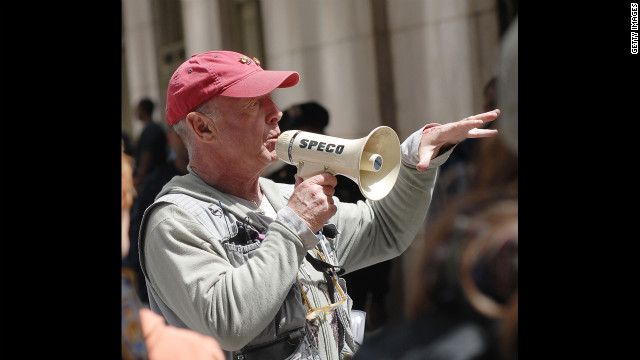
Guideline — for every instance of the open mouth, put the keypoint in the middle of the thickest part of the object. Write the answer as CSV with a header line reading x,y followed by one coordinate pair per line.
x,y
271,142
272,139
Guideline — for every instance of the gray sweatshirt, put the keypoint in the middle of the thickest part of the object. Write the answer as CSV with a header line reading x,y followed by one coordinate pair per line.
x,y
215,266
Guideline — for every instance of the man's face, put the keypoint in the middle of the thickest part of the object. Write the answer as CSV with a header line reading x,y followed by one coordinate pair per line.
x,y
248,129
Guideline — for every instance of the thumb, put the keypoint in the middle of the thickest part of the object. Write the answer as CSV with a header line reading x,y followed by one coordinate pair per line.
x,y
425,153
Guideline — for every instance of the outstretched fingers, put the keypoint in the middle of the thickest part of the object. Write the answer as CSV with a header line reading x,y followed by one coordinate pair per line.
x,y
486,116
475,124
445,135
480,133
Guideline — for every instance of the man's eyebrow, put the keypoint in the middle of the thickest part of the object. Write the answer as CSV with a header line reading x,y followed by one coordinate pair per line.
x,y
247,104
252,101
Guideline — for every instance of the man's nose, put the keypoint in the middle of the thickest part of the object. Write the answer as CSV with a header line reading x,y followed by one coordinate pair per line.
x,y
274,114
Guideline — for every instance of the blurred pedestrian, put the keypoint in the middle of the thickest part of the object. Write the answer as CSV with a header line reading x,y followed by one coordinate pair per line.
x,y
463,290
151,186
126,142
458,173
151,146
145,334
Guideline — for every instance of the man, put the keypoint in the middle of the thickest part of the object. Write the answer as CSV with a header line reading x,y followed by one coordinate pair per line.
x,y
256,264
151,149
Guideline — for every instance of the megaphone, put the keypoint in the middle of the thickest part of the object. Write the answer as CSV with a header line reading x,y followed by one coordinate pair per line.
x,y
372,162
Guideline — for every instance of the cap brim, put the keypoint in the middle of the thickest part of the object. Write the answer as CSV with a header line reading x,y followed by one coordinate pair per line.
x,y
261,83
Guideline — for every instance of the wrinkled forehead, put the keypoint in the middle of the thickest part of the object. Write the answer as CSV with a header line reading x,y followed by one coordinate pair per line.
x,y
228,103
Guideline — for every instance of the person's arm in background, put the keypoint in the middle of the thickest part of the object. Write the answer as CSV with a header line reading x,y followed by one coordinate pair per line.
x,y
172,343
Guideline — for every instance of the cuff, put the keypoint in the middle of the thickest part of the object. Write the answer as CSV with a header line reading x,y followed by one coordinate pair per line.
x,y
410,149
295,223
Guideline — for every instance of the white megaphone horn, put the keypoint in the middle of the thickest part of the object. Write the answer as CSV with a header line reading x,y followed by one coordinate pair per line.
x,y
372,162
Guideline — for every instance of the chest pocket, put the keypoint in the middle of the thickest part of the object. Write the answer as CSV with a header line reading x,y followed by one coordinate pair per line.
x,y
241,247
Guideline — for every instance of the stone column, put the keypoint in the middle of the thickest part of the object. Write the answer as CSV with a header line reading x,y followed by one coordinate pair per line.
x,y
201,23
140,58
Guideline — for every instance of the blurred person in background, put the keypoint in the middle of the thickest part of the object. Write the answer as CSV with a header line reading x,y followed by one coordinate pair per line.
x,y
463,294
145,334
151,147
126,142
175,165
458,173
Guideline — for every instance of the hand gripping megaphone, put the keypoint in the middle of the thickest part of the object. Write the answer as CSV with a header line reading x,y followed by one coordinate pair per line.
x,y
372,162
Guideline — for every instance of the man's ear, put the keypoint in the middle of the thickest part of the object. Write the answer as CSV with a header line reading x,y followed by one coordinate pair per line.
x,y
202,126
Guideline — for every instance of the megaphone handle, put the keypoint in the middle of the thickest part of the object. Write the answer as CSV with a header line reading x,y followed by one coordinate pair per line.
x,y
307,169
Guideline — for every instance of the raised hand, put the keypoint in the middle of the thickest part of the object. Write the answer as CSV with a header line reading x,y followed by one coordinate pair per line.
x,y
446,135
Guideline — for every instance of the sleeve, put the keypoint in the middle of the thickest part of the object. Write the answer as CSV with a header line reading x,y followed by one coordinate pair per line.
x,y
376,231
410,151
294,222
189,271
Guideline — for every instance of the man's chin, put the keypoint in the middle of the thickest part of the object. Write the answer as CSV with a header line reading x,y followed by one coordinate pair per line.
x,y
273,156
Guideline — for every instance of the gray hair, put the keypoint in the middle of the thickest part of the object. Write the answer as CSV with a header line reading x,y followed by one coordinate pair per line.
x,y
210,109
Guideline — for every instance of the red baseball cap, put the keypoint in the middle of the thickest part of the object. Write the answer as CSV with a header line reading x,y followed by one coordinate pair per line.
x,y
215,73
